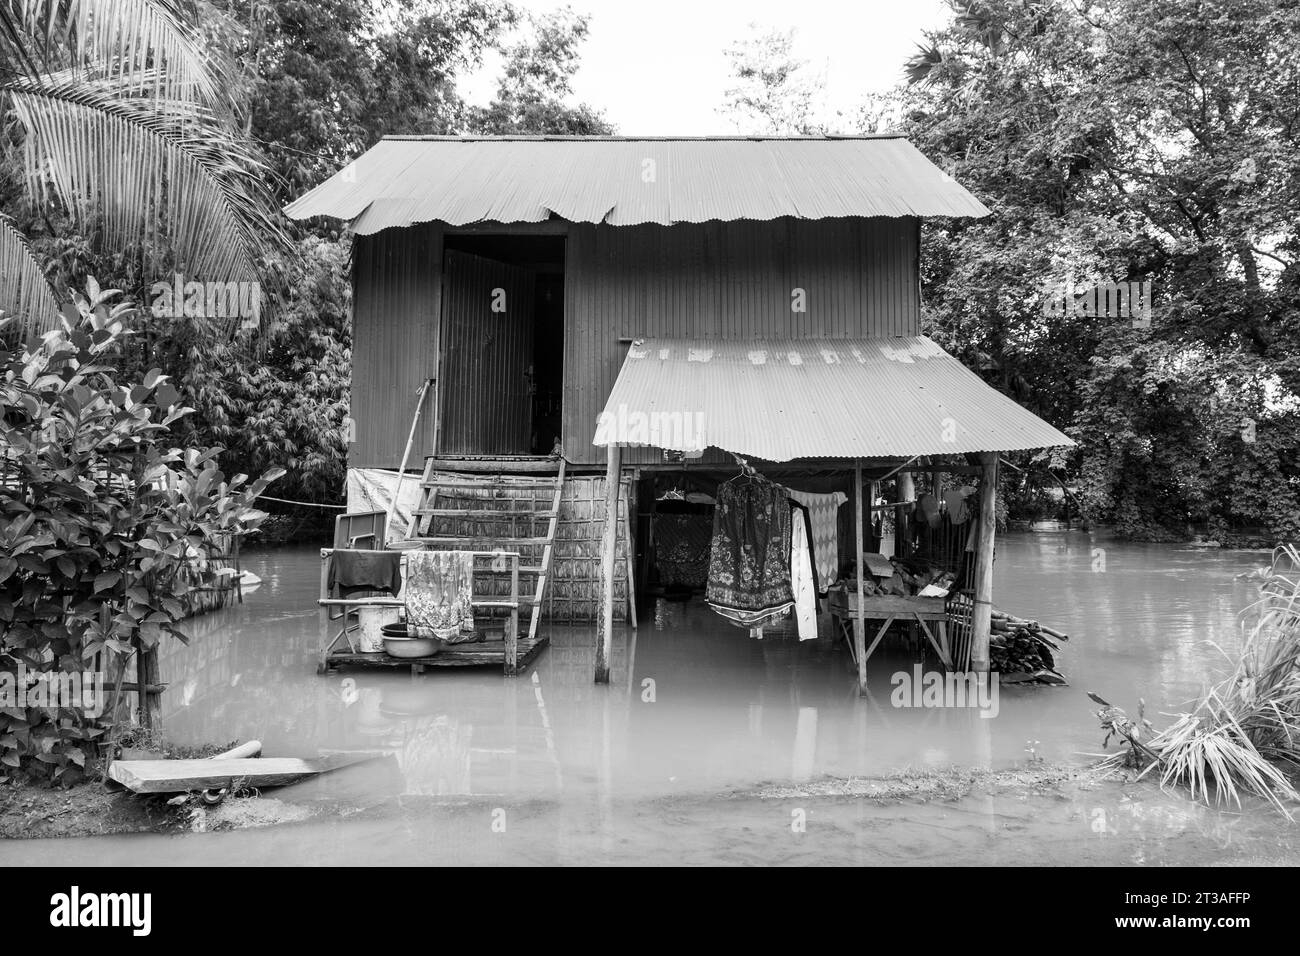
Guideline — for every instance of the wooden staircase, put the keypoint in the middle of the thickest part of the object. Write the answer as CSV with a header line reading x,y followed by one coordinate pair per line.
x,y
465,511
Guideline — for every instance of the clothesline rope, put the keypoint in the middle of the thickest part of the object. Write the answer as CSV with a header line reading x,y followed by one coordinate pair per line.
x,y
303,504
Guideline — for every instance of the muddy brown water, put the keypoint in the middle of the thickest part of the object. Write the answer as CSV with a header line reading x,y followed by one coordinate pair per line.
x,y
669,763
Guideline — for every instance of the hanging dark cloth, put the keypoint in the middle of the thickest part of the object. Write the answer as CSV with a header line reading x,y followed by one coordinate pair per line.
x,y
353,571
749,560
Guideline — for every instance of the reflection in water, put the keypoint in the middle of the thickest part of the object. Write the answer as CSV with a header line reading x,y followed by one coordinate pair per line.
x,y
694,703
649,767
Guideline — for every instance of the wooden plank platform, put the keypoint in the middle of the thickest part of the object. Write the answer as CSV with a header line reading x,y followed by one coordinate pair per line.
x,y
477,654
175,776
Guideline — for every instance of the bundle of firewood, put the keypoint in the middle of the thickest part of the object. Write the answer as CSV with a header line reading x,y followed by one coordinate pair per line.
x,y
1021,651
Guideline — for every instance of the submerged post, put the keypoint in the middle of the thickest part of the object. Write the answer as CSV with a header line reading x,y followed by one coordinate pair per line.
x,y
859,617
512,625
323,611
147,687
982,613
608,546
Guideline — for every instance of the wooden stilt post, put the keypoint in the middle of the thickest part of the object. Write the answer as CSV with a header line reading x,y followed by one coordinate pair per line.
x,y
147,686
982,615
512,626
323,613
608,547
859,619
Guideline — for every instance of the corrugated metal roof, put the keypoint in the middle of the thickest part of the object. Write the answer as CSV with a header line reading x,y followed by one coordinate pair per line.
x,y
835,398
402,181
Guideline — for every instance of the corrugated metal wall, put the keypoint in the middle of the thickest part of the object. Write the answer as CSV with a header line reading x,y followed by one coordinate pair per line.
x,y
730,280
394,342
713,280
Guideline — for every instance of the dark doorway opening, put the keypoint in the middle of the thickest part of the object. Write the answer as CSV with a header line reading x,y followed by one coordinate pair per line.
x,y
502,339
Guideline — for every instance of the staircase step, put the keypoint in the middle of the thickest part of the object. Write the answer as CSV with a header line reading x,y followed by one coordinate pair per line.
x,y
506,466
488,484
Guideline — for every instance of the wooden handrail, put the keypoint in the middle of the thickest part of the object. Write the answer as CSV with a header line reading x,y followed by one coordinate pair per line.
x,y
398,602
326,552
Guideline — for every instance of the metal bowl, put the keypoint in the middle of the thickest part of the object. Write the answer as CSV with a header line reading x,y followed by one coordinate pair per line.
x,y
411,646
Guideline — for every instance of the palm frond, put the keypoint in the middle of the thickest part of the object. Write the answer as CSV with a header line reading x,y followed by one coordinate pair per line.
x,y
162,173
150,43
15,44
921,65
25,295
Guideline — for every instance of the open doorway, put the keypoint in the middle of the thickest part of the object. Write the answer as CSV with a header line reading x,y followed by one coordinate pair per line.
x,y
502,364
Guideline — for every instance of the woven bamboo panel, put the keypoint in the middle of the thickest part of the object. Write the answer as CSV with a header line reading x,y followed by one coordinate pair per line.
x,y
573,595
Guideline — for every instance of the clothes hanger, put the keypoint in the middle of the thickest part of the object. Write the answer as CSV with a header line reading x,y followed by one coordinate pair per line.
x,y
747,472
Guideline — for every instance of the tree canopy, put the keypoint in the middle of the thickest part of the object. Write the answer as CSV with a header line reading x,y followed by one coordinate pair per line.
x,y
1128,140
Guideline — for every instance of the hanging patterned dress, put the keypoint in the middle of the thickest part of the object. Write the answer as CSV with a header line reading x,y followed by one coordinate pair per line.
x,y
439,595
749,559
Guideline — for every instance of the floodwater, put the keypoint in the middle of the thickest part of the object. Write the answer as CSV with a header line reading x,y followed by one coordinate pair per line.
x,y
667,764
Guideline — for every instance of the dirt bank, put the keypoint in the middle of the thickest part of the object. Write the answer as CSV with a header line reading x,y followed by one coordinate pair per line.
x,y
92,809
87,809
952,783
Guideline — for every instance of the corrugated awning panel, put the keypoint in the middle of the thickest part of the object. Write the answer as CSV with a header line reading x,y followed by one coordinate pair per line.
x,y
404,181
841,398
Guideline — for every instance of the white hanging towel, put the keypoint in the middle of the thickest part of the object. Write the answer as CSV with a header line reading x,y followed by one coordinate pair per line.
x,y
801,579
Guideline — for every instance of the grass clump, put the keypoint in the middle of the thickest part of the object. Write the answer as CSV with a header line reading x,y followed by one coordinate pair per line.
x,y
1244,735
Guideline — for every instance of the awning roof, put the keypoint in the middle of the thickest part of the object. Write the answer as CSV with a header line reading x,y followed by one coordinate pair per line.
x,y
625,181
840,398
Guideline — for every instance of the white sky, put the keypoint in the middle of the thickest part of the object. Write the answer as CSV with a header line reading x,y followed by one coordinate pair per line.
x,y
656,67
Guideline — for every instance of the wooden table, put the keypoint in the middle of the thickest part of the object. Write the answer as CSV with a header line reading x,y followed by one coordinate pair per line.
x,y
888,608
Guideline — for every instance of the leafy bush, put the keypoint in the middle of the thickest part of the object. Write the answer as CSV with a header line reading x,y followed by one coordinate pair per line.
x,y
99,515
